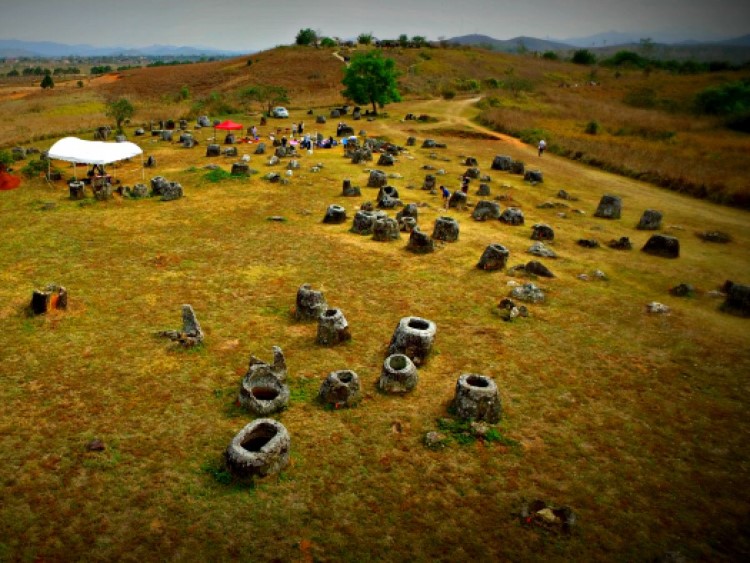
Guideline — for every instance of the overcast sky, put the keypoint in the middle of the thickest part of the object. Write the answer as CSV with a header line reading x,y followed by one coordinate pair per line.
x,y
252,25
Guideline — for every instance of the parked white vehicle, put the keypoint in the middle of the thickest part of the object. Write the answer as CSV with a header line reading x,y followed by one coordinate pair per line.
x,y
279,112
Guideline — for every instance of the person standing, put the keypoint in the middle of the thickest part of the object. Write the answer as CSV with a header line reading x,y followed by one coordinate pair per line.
x,y
542,146
294,130
446,196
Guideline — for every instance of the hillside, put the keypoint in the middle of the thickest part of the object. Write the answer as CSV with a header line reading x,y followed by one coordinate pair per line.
x,y
644,123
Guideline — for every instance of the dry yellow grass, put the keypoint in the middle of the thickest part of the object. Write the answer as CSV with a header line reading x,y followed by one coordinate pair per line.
x,y
637,422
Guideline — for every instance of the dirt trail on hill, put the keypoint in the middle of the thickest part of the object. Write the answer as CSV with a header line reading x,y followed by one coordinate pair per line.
x,y
458,114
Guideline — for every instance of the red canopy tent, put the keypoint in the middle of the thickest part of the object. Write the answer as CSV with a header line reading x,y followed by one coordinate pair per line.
x,y
228,126
8,182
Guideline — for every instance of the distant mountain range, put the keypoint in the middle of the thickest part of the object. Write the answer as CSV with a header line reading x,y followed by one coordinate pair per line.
x,y
511,45
609,39
48,49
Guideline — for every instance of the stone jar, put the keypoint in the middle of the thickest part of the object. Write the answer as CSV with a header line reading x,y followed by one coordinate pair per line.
x,y
399,374
261,448
477,398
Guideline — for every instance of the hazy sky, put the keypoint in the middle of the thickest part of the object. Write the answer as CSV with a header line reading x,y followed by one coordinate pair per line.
x,y
251,25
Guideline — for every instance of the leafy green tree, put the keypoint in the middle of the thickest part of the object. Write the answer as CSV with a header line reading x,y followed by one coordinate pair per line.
x,y
306,37
14,72
267,95
327,42
120,110
583,57
403,40
419,40
47,82
371,79
364,38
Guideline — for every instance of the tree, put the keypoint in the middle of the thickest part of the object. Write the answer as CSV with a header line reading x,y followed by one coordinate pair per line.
x,y
364,38
120,110
306,37
47,82
403,40
328,42
371,79
268,96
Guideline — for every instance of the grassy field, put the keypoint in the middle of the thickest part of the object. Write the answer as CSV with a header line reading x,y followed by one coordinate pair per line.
x,y
636,421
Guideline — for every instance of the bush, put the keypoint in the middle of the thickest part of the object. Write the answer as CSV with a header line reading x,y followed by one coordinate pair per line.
x,y
492,83
364,38
6,158
729,99
550,56
448,93
327,42
467,85
517,85
583,57
627,59
593,128
34,168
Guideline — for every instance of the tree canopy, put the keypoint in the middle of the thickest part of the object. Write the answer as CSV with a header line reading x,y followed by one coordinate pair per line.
x,y
371,79
47,82
306,37
266,95
120,110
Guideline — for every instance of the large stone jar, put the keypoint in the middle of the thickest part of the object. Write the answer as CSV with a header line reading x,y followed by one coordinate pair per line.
x,y
261,448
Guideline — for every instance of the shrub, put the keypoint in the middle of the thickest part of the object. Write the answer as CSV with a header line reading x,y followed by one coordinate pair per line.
x,y
729,99
327,42
448,93
550,56
249,62
34,168
583,57
6,158
364,38
467,85
47,82
593,127
516,85
492,83
627,59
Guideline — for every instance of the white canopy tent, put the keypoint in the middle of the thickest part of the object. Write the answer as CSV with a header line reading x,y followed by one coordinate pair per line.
x,y
78,151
